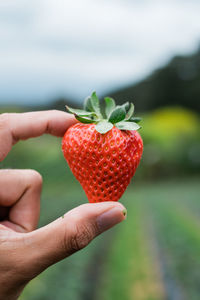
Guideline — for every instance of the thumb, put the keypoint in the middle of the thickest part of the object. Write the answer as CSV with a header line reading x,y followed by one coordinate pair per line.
x,y
70,233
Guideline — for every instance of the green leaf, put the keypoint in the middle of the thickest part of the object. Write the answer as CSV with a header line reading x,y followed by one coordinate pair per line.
x,y
94,100
87,104
110,105
135,119
126,106
127,126
130,112
84,119
79,112
104,126
117,115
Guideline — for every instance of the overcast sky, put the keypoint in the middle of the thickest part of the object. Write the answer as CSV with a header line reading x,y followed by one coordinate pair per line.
x,y
52,48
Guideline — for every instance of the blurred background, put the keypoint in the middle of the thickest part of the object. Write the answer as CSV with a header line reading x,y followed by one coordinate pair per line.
x,y
57,52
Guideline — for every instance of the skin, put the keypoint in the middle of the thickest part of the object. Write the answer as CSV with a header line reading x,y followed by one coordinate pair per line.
x,y
24,250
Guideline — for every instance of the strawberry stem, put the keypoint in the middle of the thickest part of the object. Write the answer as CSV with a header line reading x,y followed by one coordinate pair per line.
x,y
120,116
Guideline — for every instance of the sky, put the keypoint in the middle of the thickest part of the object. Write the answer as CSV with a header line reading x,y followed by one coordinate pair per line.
x,y
61,48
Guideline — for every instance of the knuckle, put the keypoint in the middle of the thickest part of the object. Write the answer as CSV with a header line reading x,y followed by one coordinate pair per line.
x,y
35,178
81,237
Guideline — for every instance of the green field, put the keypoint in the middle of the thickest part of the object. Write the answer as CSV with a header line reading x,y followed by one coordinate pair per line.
x,y
153,255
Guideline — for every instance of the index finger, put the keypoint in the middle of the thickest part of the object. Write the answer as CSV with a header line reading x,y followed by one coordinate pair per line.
x,y
21,126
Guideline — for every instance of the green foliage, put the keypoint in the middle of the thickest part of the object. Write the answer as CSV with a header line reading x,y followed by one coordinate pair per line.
x,y
130,112
92,104
115,114
87,104
104,126
95,103
165,126
110,105
79,112
84,120
136,119
127,126
171,142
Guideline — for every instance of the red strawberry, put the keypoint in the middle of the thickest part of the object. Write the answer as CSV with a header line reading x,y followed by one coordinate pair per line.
x,y
103,154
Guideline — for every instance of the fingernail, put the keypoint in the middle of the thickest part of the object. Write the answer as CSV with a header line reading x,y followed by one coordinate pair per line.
x,y
110,218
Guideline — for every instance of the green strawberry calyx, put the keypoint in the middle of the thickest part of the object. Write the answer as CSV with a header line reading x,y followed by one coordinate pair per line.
x,y
120,116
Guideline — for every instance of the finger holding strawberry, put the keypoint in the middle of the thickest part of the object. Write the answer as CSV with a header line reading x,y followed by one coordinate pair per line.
x,y
103,150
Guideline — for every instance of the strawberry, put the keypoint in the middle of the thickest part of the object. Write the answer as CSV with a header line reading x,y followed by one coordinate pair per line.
x,y
103,153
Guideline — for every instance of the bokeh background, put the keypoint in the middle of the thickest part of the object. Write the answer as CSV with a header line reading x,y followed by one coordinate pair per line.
x,y
56,52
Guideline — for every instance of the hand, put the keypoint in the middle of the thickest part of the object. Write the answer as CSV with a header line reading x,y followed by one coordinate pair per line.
x,y
24,250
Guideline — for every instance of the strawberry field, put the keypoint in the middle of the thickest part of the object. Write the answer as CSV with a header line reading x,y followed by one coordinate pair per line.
x,y
153,255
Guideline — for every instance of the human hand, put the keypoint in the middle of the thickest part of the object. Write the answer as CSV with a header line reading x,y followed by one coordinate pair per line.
x,y
24,250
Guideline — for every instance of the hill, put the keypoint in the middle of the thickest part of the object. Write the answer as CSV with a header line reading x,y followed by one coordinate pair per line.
x,y
177,84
